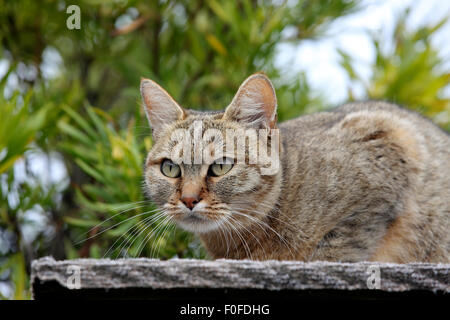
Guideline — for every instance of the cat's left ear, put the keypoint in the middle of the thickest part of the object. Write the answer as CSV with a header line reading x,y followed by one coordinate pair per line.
x,y
255,103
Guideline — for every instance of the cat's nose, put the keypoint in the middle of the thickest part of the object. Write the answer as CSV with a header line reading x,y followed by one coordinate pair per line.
x,y
190,201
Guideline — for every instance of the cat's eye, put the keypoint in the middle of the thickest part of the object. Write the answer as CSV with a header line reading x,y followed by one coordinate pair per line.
x,y
170,169
219,168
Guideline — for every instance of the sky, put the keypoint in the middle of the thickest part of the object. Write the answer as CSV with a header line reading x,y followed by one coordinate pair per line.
x,y
320,60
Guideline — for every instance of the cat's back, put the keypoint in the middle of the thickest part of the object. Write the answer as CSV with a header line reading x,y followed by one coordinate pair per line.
x,y
373,166
360,122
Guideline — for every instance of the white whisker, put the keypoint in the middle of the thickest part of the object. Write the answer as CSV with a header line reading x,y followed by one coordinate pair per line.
x,y
136,226
115,225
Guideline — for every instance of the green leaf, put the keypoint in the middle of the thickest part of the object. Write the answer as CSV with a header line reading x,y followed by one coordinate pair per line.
x,y
78,222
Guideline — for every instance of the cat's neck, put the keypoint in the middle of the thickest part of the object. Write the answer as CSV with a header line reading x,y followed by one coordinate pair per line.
x,y
274,239
256,241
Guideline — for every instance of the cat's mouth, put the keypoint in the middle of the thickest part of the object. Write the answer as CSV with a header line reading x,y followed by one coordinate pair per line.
x,y
197,220
197,223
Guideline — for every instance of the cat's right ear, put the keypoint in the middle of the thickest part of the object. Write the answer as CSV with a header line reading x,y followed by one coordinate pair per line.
x,y
160,107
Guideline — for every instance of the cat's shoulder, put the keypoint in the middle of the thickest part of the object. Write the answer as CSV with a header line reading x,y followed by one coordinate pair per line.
x,y
376,118
348,117
383,114
386,124
373,119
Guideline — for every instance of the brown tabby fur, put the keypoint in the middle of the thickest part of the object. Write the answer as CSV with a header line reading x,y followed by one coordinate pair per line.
x,y
365,181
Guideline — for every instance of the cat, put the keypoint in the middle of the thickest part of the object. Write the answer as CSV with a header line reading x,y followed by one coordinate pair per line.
x,y
367,181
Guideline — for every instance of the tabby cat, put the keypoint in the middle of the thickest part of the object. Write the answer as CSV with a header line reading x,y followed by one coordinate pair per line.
x,y
365,181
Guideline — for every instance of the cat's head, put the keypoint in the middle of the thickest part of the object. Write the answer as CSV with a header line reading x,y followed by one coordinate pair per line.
x,y
202,169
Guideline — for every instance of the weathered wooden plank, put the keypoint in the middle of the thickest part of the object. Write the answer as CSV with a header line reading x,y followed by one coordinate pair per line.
x,y
150,275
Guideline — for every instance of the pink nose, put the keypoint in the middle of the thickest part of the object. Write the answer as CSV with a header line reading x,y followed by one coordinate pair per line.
x,y
190,201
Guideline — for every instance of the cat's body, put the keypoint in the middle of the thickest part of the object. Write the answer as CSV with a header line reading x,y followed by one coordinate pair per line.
x,y
365,181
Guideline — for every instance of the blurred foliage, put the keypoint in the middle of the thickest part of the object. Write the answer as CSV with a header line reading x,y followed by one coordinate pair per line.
x,y
70,100
18,130
112,200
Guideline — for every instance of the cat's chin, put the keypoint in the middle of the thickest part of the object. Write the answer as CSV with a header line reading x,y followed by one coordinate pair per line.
x,y
198,224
